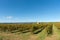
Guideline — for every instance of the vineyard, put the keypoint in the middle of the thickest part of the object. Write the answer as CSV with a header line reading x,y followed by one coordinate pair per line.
x,y
25,30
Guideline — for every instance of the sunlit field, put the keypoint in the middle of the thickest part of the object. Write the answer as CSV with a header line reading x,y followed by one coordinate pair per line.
x,y
30,31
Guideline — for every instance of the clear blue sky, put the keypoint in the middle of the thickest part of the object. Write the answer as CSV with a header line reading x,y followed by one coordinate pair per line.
x,y
29,10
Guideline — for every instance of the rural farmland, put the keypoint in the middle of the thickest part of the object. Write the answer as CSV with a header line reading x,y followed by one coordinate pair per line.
x,y
30,31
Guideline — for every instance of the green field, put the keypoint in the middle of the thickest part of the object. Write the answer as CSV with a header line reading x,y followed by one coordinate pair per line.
x,y
30,31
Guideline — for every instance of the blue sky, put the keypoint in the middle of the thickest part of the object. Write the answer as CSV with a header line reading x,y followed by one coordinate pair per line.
x,y
29,10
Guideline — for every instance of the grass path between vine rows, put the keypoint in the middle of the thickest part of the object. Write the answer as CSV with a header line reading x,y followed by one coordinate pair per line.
x,y
56,34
